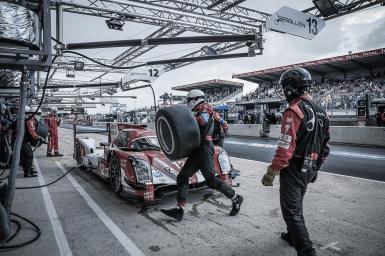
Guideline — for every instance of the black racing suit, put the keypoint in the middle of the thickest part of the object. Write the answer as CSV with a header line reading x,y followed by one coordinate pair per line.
x,y
202,160
302,148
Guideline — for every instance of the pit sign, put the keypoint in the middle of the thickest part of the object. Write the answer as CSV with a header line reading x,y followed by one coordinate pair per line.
x,y
148,74
297,23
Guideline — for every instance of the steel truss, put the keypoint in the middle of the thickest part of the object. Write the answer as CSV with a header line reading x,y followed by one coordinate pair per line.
x,y
186,15
347,6
67,63
208,17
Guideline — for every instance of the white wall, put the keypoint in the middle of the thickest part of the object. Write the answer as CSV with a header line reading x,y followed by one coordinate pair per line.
x,y
252,130
374,136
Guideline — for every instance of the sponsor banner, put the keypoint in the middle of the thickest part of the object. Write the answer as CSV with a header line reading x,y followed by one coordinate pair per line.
x,y
349,57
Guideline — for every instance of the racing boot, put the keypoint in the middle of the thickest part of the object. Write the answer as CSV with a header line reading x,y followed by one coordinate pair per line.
x,y
49,154
58,153
30,174
236,207
176,213
287,238
33,170
306,251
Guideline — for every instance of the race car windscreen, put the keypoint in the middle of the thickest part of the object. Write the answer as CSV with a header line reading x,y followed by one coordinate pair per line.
x,y
146,143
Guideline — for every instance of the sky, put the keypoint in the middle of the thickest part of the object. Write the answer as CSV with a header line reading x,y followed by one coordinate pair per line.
x,y
360,31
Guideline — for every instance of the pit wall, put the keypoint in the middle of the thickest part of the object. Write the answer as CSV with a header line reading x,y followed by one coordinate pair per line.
x,y
372,136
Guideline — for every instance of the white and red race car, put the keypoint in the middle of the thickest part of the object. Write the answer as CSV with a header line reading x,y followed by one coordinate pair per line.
x,y
134,165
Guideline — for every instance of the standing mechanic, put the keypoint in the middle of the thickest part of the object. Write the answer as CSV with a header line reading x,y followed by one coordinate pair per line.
x,y
30,138
202,160
53,138
302,148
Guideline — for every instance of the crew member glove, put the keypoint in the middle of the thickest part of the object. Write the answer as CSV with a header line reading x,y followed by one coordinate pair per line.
x,y
269,176
226,131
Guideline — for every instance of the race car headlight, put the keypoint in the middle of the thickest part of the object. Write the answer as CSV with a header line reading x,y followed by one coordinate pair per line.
x,y
142,170
224,162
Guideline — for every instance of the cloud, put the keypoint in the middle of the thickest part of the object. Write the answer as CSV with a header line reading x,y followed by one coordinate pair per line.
x,y
366,16
376,38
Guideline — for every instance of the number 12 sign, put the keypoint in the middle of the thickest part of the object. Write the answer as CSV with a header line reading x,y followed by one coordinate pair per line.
x,y
291,21
148,74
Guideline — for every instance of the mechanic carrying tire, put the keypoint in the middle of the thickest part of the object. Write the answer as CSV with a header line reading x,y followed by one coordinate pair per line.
x,y
302,149
201,157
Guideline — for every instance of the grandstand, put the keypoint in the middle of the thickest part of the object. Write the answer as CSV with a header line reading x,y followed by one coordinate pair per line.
x,y
340,82
217,91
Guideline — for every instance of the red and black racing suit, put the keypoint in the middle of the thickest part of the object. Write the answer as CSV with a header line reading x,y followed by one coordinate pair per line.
x,y
53,139
26,152
203,159
302,148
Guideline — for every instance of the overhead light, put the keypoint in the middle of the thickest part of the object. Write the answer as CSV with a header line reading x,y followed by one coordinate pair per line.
x,y
209,50
326,7
115,24
70,74
79,65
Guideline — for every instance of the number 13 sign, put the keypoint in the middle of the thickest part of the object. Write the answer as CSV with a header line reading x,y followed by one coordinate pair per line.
x,y
291,21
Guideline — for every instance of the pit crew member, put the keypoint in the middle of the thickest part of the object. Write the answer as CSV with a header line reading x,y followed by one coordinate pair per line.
x,y
302,148
202,160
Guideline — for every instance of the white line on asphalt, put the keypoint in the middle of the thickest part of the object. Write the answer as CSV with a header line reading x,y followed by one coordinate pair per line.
x,y
329,173
61,239
333,152
331,246
126,242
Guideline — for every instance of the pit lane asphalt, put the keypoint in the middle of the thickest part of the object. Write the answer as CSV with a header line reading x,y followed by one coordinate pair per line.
x,y
356,161
345,216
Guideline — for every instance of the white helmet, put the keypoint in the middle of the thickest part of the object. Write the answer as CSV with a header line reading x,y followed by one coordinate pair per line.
x,y
54,110
27,109
194,97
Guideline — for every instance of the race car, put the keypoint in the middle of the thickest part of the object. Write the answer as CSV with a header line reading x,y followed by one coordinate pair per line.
x,y
134,165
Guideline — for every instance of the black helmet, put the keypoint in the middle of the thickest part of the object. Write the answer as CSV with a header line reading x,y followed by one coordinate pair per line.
x,y
294,82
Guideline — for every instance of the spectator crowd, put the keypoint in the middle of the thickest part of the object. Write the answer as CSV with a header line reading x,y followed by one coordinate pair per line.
x,y
214,95
330,94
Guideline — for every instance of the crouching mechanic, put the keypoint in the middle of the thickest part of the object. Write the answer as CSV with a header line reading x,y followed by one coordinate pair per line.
x,y
302,148
202,160
53,138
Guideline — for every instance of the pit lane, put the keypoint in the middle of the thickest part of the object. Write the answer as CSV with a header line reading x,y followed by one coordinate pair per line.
x,y
356,161
345,215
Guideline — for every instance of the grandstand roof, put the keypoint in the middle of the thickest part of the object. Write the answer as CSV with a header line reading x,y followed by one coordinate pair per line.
x,y
210,84
340,64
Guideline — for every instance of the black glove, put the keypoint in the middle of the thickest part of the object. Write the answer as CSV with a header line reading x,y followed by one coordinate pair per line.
x,y
314,177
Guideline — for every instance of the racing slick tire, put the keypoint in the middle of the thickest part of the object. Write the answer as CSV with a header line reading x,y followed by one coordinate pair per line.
x,y
115,175
177,131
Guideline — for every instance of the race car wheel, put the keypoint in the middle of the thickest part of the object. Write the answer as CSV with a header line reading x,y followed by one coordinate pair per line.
x,y
115,175
177,131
